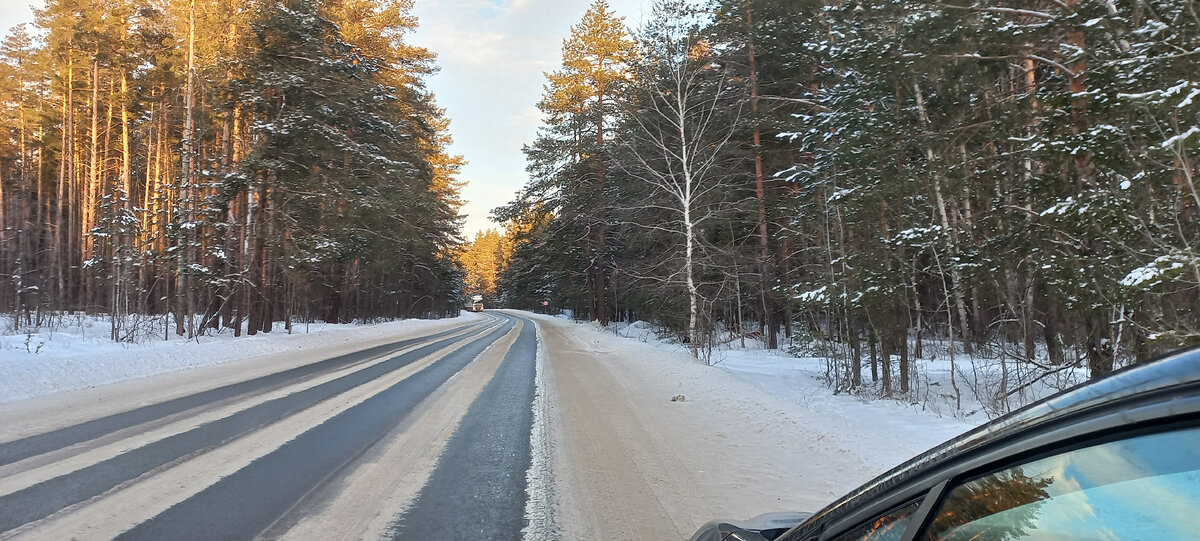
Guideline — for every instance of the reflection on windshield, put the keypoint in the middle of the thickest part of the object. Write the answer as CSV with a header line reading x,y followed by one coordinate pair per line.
x,y
889,527
1139,488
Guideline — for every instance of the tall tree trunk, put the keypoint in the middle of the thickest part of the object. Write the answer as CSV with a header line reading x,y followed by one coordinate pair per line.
x,y
6,255
187,191
104,250
855,355
766,267
1027,173
270,302
689,270
956,286
146,220
258,265
125,238
872,344
885,359
17,216
918,317
92,187
62,223
1096,322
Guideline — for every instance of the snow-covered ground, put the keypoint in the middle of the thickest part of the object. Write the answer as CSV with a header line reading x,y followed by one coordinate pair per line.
x,y
885,431
859,423
974,394
644,438
78,353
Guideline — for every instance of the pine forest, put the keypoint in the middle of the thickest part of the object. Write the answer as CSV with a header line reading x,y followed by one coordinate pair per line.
x,y
209,164
870,180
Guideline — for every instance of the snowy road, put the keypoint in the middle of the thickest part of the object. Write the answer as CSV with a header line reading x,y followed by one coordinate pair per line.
x,y
272,455
509,426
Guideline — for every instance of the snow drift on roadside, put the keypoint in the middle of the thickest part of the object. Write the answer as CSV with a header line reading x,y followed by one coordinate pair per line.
x,y
881,433
80,355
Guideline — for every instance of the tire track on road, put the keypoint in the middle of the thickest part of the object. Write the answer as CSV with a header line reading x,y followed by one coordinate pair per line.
x,y
297,467
362,502
477,490
20,449
43,499
14,477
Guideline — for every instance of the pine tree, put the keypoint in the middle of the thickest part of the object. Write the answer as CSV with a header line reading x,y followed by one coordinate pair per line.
x,y
167,173
569,161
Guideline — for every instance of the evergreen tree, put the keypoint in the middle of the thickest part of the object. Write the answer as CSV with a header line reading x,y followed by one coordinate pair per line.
x,y
568,163
224,162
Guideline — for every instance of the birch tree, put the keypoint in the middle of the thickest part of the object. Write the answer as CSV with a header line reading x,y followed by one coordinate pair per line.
x,y
675,137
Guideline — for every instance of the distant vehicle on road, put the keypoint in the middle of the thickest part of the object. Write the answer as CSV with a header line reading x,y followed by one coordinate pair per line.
x,y
477,303
1117,458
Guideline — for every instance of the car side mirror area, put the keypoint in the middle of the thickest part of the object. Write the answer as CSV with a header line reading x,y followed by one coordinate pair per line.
x,y
761,528
724,531
738,534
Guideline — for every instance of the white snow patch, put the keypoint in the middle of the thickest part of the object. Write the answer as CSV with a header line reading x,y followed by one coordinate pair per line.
x,y
818,295
1155,270
878,433
1188,100
79,354
1181,138
883,432
540,492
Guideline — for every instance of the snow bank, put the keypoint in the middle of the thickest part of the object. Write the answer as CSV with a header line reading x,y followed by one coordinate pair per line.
x,y
879,433
80,355
890,431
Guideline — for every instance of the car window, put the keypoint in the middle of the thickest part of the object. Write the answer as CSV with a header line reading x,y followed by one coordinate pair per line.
x,y
889,526
1146,487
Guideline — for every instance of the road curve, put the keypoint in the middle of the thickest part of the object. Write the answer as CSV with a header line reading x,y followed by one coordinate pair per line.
x,y
428,435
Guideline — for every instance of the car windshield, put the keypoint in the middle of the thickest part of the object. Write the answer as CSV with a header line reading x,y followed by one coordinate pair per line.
x,y
1146,487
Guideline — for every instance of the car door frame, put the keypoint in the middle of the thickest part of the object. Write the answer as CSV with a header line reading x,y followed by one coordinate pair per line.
x,y
1158,410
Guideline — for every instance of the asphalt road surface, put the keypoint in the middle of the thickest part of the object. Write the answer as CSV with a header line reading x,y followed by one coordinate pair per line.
x,y
426,437
505,426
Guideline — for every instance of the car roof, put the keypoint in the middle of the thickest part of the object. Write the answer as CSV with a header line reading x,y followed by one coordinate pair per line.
x,y
1174,370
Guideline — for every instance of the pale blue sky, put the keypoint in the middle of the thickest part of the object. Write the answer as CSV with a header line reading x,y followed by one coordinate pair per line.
x,y
14,12
492,55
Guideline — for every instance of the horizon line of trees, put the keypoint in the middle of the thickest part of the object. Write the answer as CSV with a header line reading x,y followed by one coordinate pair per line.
x,y
230,163
1017,179
482,258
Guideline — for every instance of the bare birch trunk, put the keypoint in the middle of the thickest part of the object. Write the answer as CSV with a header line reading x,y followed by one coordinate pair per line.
x,y
689,265
183,281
